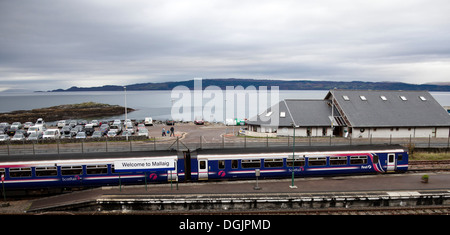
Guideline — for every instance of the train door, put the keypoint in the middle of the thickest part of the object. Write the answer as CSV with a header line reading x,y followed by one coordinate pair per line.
x,y
187,166
391,162
202,169
172,175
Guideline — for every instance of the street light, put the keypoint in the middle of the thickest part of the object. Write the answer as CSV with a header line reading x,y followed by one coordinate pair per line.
x,y
125,89
293,158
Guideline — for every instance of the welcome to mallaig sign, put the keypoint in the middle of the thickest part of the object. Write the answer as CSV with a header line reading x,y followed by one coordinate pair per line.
x,y
147,164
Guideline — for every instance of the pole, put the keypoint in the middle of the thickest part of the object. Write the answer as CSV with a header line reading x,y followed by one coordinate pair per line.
x,y
3,186
125,88
293,157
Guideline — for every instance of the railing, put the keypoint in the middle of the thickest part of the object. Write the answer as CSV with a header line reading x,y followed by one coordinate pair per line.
x,y
182,143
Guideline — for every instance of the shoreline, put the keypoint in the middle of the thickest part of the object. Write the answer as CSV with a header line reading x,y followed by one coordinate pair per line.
x,y
84,110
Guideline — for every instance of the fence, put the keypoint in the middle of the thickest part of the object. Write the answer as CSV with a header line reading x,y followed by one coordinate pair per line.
x,y
205,142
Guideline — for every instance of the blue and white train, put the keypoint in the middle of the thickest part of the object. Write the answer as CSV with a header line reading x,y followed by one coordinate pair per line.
x,y
44,172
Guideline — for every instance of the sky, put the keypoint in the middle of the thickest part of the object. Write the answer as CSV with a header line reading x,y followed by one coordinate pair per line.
x,y
51,44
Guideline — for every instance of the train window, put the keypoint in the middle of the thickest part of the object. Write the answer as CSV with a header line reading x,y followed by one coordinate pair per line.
x,y
358,160
338,161
297,161
221,164
317,161
202,164
71,170
20,172
46,171
375,159
97,170
234,164
399,157
251,163
273,163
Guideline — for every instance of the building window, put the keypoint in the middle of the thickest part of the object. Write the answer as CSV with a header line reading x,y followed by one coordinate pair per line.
x,y
402,97
345,98
423,98
383,97
363,97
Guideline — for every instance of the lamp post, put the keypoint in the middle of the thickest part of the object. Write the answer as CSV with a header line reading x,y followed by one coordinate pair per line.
x,y
125,89
293,157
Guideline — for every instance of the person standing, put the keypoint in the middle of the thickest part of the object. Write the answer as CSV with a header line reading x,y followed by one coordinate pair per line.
x,y
163,132
172,132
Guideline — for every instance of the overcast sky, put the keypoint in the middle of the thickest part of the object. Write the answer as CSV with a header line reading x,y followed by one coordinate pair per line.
x,y
49,44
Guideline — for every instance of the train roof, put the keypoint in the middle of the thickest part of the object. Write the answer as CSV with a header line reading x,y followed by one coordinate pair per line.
x,y
300,149
86,156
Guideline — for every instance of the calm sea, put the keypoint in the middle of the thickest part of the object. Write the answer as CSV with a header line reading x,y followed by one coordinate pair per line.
x,y
155,104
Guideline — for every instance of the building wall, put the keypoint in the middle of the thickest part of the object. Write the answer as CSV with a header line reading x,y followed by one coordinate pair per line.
x,y
401,132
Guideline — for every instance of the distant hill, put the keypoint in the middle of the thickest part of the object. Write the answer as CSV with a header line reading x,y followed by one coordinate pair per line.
x,y
282,84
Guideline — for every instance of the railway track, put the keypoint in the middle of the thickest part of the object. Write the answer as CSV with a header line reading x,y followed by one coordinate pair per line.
x,y
429,165
419,210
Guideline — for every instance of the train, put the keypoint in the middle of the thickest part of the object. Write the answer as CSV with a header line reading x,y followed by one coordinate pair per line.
x,y
45,172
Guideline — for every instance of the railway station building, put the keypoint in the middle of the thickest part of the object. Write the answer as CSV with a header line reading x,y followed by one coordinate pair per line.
x,y
359,114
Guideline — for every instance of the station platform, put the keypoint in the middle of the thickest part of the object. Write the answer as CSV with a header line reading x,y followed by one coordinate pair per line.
x,y
343,191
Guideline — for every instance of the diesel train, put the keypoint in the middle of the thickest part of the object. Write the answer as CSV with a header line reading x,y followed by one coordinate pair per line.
x,y
65,171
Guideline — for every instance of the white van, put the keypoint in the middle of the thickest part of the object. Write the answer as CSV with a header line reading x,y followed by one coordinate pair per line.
x,y
148,121
51,134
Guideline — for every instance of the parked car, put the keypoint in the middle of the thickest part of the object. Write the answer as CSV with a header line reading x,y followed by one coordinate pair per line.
x,y
112,133
35,136
4,138
95,123
40,122
81,135
199,121
76,129
148,121
18,137
27,125
141,126
39,129
104,128
129,128
18,125
126,133
97,134
89,129
170,122
51,134
62,123
65,131
143,132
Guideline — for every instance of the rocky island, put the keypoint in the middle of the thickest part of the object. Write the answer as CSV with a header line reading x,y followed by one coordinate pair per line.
x,y
84,110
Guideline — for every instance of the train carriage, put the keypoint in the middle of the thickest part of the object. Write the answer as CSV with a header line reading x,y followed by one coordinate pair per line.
x,y
306,161
53,171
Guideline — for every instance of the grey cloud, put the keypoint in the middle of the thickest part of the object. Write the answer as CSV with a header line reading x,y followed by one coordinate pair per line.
x,y
108,41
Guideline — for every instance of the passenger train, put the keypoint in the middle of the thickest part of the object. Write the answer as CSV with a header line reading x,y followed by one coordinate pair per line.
x,y
59,171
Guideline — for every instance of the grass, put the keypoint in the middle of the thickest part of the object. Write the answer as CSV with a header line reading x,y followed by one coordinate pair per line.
x,y
430,156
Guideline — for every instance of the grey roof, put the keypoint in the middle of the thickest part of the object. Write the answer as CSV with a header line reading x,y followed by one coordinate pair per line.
x,y
387,108
305,113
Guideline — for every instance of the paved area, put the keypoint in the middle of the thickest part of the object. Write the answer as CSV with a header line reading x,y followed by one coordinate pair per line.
x,y
344,184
